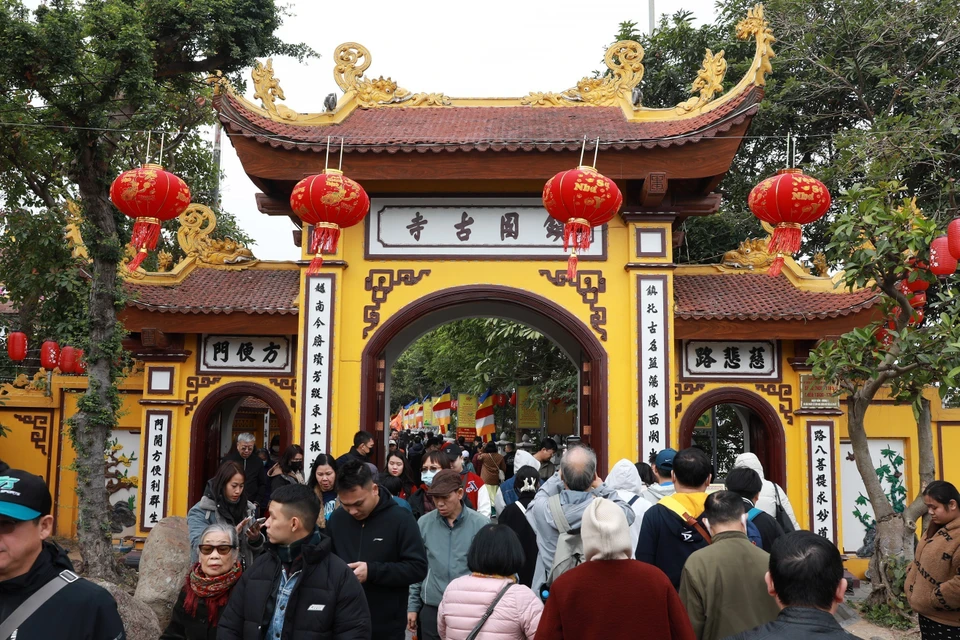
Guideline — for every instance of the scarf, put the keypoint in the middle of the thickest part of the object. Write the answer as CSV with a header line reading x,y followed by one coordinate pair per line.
x,y
214,591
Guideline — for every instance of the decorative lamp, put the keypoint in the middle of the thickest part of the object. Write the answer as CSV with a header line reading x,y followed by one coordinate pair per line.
x,y
149,195
942,263
953,238
919,300
17,346
68,360
787,201
582,199
49,355
513,399
501,399
80,368
329,201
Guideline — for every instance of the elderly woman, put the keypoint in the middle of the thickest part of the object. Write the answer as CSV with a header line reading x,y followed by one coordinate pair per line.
x,y
223,503
208,586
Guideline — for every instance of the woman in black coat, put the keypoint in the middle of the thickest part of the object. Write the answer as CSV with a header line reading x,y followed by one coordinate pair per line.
x,y
208,586
526,483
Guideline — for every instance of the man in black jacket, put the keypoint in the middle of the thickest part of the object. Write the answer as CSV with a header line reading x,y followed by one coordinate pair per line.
x,y
80,610
382,544
255,476
299,588
747,483
360,451
806,579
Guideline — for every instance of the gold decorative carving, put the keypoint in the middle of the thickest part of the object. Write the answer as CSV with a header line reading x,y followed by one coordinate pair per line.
x,y
23,386
353,60
820,265
135,368
752,254
624,61
757,26
219,83
196,225
709,82
267,89
164,261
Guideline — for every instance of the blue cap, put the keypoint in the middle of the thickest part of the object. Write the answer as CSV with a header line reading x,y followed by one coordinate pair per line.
x,y
23,496
664,460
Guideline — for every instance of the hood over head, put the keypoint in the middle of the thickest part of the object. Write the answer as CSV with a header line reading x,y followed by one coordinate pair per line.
x,y
750,461
625,477
605,532
524,459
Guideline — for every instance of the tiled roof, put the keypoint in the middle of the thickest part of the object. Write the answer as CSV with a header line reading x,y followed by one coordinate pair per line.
x,y
252,402
750,296
464,128
257,291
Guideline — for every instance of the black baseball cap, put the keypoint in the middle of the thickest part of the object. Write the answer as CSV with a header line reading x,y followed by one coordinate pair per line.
x,y
23,496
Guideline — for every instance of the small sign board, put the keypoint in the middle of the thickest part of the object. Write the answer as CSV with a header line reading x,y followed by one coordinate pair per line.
x,y
730,360
817,394
467,412
264,355
528,415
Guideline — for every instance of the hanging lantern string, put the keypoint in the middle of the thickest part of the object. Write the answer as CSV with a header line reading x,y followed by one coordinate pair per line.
x,y
340,166
583,148
163,137
148,148
596,150
326,162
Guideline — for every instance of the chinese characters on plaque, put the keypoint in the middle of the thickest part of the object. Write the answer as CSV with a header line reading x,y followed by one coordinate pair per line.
x,y
246,354
468,228
654,375
823,516
703,360
156,449
318,359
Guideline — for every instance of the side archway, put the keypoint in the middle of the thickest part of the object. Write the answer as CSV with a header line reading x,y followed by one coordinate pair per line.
x,y
770,449
557,323
200,431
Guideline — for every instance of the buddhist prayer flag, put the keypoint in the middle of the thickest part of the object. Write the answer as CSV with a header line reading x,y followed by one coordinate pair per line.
x,y
485,420
441,408
396,422
408,417
419,415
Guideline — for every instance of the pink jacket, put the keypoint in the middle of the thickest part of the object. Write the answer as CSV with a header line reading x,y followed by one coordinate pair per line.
x,y
466,599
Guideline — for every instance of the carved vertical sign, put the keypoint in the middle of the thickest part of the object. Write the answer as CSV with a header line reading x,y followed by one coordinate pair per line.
x,y
823,492
156,456
317,364
653,368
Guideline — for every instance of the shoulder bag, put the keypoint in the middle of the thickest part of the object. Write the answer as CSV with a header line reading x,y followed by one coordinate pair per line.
x,y
489,612
782,518
34,602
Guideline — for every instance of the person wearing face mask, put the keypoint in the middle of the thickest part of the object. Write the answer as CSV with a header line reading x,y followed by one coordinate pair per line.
x,y
323,480
289,470
722,585
362,446
223,502
208,586
433,462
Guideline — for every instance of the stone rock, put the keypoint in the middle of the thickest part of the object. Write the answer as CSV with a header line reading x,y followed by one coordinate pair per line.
x,y
164,564
139,620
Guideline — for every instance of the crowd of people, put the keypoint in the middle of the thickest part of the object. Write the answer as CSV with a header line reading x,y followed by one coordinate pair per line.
x,y
456,542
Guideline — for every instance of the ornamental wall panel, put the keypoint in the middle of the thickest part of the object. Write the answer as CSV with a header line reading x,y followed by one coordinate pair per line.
x,y
653,365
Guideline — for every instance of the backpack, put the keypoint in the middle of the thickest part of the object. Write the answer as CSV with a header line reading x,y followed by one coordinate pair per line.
x,y
569,544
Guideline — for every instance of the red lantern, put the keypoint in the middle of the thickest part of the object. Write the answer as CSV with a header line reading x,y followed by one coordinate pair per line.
x,y
149,195
942,263
49,355
513,399
329,201
17,346
80,368
582,199
916,318
953,238
501,399
787,201
454,405
68,360
919,300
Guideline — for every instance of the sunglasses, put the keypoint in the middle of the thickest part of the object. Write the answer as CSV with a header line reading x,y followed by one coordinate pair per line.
x,y
222,549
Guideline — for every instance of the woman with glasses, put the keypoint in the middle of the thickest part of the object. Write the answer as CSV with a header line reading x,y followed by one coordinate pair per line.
x,y
208,586
223,503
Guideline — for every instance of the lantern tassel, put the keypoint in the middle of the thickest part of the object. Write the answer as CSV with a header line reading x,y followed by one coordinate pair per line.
x,y
785,240
776,266
326,238
576,234
572,263
146,233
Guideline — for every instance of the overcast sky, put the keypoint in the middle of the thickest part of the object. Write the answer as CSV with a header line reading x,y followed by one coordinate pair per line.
x,y
500,48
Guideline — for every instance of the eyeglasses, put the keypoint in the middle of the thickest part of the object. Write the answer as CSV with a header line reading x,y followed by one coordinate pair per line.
x,y
222,549
7,526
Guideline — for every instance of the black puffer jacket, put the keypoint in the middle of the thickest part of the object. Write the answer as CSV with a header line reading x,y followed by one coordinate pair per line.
x,y
389,542
798,623
183,626
79,611
327,602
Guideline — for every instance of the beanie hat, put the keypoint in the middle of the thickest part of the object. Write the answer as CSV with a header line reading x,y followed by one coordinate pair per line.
x,y
605,532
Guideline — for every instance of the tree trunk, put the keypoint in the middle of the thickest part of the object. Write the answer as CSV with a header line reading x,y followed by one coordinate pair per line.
x,y
96,416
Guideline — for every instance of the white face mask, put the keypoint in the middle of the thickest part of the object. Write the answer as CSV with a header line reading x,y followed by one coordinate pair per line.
x,y
427,477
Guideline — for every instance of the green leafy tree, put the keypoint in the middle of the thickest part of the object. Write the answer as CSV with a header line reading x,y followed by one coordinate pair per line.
x,y
879,237
80,80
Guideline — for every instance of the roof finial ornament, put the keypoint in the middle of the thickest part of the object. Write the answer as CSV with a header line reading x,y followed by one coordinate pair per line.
x,y
267,89
353,60
624,61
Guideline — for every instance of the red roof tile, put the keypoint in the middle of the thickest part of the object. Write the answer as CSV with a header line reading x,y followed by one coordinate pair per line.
x,y
253,291
526,128
754,296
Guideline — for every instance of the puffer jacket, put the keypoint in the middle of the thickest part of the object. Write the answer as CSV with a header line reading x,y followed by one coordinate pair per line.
x,y
933,580
625,479
516,616
768,494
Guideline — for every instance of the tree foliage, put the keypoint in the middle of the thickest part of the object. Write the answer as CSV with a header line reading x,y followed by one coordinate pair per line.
x,y
83,82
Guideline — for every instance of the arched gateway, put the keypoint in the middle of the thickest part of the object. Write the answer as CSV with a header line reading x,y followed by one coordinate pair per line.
x,y
668,354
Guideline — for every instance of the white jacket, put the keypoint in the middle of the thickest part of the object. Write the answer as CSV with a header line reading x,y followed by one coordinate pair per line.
x,y
625,478
768,494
